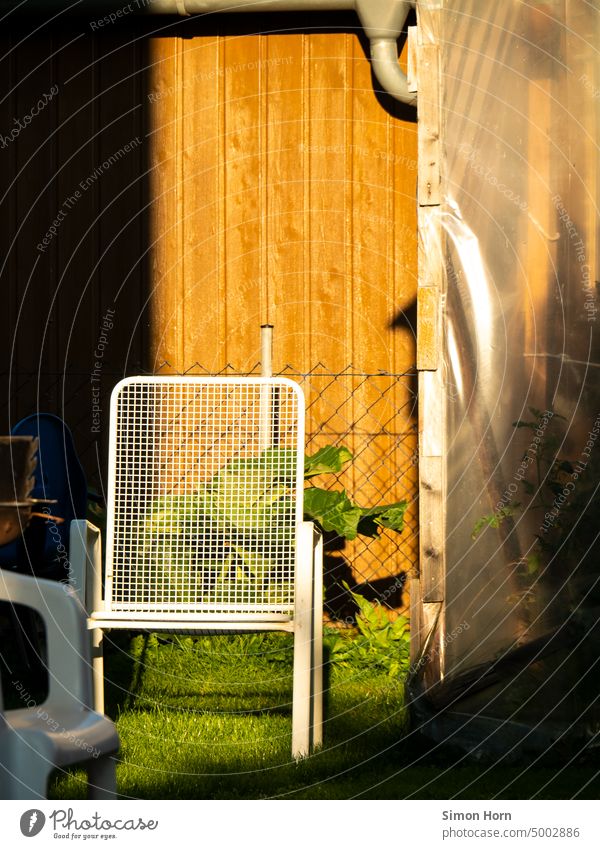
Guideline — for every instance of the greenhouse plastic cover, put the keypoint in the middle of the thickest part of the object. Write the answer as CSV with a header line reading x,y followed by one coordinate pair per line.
x,y
520,100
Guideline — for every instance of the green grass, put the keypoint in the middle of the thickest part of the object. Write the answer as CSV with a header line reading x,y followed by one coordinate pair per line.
x,y
210,718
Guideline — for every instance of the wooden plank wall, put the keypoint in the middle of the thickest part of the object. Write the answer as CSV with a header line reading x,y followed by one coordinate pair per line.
x,y
272,184
284,192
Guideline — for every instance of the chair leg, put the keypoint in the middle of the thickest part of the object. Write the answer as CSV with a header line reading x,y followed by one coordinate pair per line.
x,y
102,778
317,659
303,644
98,669
25,775
301,703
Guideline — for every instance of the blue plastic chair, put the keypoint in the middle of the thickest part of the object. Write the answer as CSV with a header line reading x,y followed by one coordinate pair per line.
x,y
59,476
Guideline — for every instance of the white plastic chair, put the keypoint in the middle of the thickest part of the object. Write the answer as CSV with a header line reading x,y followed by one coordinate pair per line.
x,y
205,530
64,730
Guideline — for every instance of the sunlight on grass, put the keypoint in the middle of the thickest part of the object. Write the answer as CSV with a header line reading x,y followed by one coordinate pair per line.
x,y
210,718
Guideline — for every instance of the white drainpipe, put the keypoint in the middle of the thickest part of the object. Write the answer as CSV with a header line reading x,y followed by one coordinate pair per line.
x,y
382,21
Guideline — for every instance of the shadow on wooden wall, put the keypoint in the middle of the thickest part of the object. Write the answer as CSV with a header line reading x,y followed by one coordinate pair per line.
x,y
74,195
168,186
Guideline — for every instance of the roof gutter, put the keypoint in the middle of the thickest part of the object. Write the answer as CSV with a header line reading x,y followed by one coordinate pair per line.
x,y
382,20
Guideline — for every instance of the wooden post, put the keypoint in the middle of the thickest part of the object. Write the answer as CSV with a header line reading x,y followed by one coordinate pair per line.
x,y
266,394
425,66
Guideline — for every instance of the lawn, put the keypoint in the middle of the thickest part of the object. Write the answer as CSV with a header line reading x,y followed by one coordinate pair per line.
x,y
210,718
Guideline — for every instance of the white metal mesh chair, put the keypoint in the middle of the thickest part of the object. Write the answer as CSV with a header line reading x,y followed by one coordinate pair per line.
x,y
204,527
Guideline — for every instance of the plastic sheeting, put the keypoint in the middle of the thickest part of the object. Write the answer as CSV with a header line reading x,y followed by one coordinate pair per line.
x,y
519,244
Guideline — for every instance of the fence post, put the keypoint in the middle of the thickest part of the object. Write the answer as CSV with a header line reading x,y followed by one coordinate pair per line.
x,y
266,392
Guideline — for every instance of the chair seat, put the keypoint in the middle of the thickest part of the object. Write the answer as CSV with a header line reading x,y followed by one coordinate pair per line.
x,y
190,621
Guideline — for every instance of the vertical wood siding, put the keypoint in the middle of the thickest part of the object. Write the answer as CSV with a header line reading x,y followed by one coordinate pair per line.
x,y
284,192
271,184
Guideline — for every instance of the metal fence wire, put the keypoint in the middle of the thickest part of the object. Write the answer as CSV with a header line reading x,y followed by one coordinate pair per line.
x,y
373,415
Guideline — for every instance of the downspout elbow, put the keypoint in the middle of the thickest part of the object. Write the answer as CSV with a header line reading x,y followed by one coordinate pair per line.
x,y
383,21
384,59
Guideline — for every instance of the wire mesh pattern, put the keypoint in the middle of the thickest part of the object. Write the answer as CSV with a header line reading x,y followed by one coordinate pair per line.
x,y
374,415
372,412
205,494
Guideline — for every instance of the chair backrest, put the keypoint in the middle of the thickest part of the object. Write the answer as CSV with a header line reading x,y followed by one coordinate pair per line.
x,y
58,476
67,637
204,496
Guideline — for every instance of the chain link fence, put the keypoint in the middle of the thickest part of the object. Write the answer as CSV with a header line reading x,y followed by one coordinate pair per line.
x,y
373,414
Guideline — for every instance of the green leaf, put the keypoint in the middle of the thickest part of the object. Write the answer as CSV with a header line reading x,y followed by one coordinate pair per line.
x,y
383,643
371,617
392,516
389,516
328,460
333,510
494,520
400,628
480,524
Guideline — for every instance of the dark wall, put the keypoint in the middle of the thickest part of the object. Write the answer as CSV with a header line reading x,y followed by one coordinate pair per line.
x,y
72,172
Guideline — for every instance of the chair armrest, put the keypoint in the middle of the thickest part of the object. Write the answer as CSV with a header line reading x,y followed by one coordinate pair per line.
x,y
66,633
85,555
